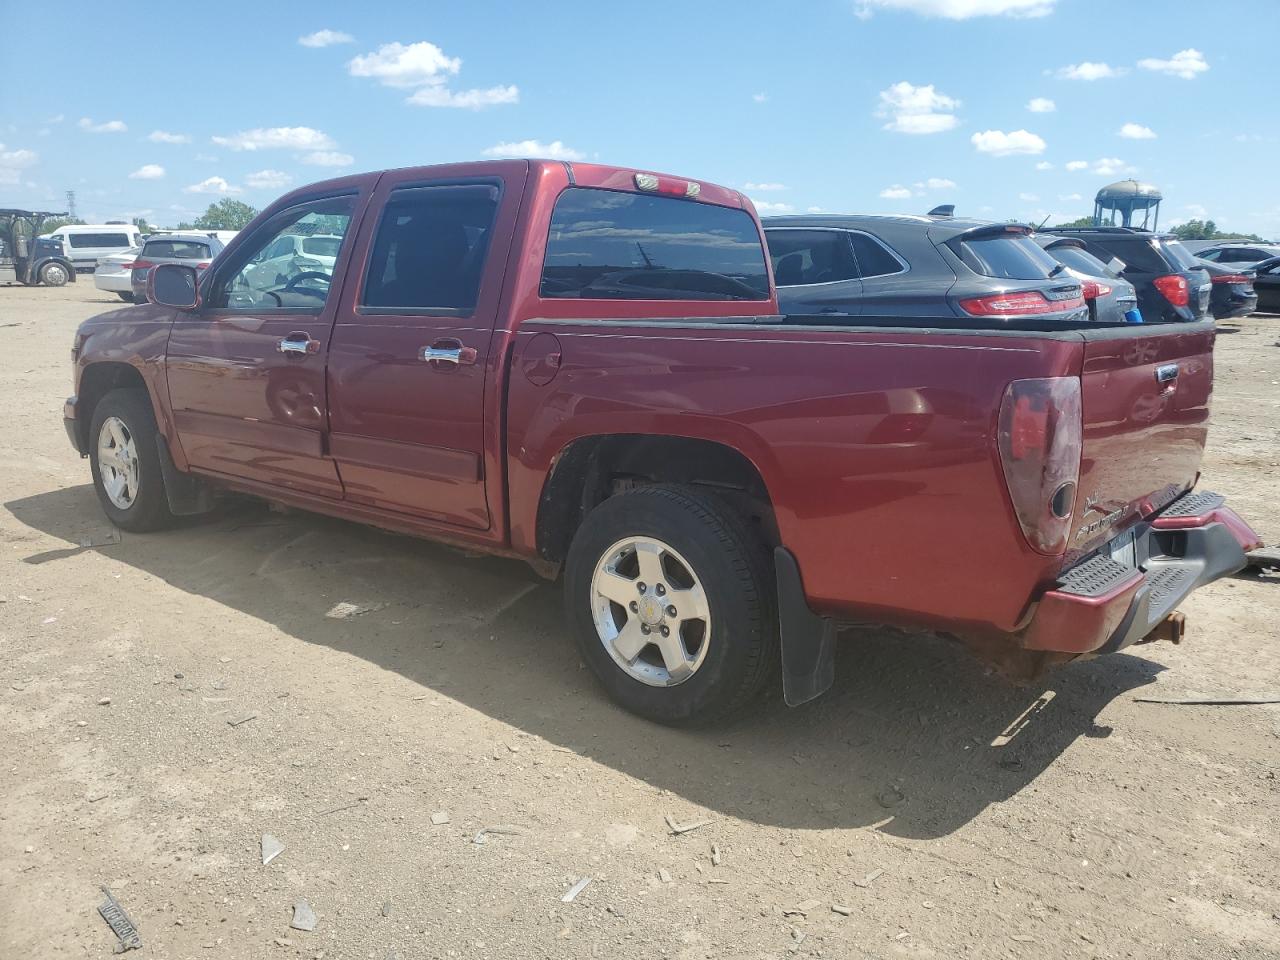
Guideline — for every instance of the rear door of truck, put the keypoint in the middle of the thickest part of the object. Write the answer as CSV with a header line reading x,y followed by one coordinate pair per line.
x,y
1145,398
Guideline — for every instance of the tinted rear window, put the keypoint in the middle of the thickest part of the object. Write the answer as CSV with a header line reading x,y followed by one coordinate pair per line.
x,y
1180,254
608,245
176,249
1007,257
322,246
1079,259
100,240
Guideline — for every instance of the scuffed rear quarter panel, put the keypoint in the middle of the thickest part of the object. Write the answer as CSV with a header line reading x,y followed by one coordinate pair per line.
x,y
877,447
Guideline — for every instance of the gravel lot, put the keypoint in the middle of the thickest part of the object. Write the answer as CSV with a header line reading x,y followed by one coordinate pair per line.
x,y
952,815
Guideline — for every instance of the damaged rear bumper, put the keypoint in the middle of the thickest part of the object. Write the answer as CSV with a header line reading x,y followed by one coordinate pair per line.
x,y
1105,604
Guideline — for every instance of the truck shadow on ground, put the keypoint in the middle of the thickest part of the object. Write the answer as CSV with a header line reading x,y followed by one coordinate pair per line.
x,y
915,736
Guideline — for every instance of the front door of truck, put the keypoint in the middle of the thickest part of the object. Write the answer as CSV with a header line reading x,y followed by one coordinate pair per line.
x,y
246,371
411,345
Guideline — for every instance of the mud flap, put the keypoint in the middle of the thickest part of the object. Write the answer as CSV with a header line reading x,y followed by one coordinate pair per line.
x,y
187,494
808,641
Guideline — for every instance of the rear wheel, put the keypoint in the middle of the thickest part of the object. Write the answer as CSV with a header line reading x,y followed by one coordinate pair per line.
x,y
54,275
126,463
670,596
126,297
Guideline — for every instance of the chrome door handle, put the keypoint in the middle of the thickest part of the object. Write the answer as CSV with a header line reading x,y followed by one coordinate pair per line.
x,y
299,344
448,353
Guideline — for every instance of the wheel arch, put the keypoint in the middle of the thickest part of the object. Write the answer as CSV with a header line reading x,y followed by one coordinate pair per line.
x,y
96,381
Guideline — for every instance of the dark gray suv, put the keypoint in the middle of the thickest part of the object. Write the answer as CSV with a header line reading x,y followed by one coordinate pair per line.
x,y
936,271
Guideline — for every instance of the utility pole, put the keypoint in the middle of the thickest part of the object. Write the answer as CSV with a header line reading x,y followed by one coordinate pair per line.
x,y
71,204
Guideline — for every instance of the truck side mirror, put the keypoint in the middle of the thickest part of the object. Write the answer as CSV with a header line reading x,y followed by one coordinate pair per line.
x,y
174,285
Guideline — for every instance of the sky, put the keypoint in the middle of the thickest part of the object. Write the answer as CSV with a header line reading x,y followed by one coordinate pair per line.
x,y
1010,109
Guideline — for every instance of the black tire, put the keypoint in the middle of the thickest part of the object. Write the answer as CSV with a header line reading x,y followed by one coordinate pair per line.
x,y
150,507
735,570
54,275
126,297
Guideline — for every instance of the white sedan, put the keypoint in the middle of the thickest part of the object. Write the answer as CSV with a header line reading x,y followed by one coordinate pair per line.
x,y
114,273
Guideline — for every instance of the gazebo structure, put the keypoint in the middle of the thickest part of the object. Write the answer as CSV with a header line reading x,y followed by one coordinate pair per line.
x,y
1128,203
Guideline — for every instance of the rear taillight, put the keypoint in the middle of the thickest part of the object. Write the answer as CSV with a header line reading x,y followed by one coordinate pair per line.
x,y
1175,289
1039,440
1232,278
139,265
204,264
1093,290
1016,304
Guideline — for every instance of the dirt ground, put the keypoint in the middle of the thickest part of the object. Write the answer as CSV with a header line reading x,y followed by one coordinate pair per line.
x,y
952,815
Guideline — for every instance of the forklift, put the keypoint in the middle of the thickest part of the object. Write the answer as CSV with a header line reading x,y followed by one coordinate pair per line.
x,y
25,256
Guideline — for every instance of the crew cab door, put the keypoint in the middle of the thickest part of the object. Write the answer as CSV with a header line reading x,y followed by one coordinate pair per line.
x,y
246,371
411,346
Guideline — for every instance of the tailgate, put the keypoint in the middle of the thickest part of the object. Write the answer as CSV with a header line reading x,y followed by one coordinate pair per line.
x,y
1145,398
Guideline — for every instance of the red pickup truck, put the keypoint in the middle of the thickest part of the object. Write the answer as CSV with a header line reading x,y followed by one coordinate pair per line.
x,y
584,366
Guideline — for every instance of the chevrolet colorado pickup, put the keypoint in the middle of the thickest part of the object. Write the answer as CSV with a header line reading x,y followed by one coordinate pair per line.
x,y
584,366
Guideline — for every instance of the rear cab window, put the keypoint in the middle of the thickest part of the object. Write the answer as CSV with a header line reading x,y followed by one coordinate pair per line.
x,y
1005,256
176,249
612,245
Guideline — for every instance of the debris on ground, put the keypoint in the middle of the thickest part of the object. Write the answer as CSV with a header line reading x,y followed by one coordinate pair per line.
x,y
841,909
386,909
1223,701
576,889
304,918
664,875
440,818
346,806
271,848
869,879
802,909
716,858
104,701
498,830
119,923
236,723
1264,558
110,538
345,610
890,796
679,828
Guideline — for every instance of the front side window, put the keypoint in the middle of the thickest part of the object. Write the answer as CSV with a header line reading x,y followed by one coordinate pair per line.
x,y
430,248
802,257
271,272
610,245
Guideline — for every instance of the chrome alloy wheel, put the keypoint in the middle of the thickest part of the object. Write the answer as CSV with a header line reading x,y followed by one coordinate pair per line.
x,y
650,611
118,462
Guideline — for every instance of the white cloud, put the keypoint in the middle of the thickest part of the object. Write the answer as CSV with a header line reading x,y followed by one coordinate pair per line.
x,y
277,138
766,206
405,65
212,185
464,99
759,97
895,192
764,187
325,38
912,109
56,118
267,180
1065,197
164,136
1077,164
1001,144
13,162
1196,210
555,150
107,126
1136,131
1111,167
814,210
959,9
1044,165
148,171
1089,71
1041,105
1187,64
936,183
328,158
1029,198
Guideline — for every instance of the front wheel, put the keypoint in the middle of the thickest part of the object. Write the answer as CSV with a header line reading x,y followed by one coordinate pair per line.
x,y
670,596
125,462
126,297
54,275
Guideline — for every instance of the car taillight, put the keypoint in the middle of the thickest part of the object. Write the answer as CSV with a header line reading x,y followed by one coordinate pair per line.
x,y
1018,303
203,264
1175,289
1039,439
672,187
1093,290
139,265
1231,278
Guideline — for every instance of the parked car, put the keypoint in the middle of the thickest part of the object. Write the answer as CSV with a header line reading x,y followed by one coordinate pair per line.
x,y
195,249
715,481
1172,285
1232,294
1239,253
1267,285
84,243
28,258
1110,298
293,254
935,268
114,274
